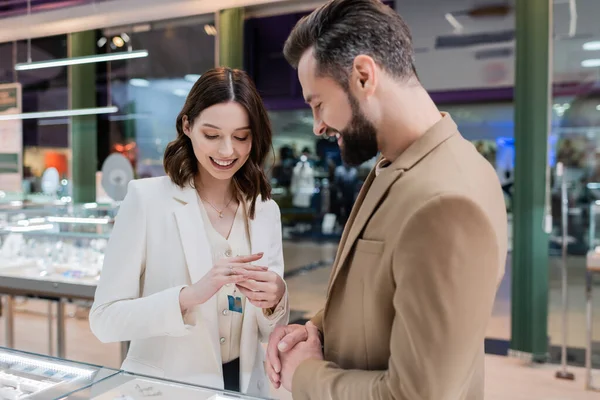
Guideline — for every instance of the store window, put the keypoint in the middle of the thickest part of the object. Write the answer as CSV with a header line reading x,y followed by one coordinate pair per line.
x,y
45,141
150,92
313,187
575,143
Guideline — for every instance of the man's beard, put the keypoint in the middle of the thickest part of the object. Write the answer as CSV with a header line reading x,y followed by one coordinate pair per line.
x,y
359,138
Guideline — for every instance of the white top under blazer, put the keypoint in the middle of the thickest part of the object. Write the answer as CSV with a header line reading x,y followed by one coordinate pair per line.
x,y
236,244
158,246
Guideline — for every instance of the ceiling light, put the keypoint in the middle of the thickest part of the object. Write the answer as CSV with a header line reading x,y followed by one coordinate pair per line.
x,y
210,30
591,46
594,62
81,60
458,27
60,113
118,41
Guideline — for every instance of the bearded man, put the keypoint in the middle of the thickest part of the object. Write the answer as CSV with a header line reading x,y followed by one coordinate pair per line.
x,y
424,249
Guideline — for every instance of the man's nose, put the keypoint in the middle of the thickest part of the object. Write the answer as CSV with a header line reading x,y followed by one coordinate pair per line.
x,y
319,128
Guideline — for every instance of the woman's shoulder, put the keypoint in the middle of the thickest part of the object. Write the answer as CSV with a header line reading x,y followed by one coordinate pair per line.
x,y
268,206
159,183
151,189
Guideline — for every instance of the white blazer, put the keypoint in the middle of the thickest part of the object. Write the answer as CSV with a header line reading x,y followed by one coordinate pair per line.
x,y
158,246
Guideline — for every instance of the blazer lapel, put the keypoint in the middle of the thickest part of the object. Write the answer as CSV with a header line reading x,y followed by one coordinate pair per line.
x,y
259,242
370,196
259,233
375,188
198,257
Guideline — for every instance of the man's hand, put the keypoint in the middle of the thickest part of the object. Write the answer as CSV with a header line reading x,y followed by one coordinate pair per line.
x,y
291,359
282,339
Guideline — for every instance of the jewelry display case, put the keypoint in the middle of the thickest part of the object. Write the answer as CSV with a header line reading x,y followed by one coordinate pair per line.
x,y
32,376
127,386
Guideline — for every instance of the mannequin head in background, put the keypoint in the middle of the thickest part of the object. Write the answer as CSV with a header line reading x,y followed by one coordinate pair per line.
x,y
223,136
355,62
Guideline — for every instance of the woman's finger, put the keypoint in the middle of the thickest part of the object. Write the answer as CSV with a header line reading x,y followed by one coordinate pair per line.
x,y
245,259
262,276
254,285
248,266
231,270
224,280
256,296
262,304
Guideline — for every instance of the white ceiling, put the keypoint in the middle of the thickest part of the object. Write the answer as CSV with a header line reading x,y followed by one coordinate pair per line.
x,y
109,14
447,69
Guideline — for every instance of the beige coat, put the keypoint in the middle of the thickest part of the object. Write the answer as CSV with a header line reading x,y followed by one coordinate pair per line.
x,y
414,280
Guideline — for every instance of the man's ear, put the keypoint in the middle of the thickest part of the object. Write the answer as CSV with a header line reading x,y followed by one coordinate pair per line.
x,y
364,76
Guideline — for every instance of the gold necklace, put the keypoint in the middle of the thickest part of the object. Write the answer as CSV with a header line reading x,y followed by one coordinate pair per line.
x,y
220,212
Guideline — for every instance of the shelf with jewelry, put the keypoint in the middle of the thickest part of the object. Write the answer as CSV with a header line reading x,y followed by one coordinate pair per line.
x,y
32,376
35,377
128,386
54,253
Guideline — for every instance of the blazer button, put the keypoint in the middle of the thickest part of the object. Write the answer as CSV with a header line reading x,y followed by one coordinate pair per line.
x,y
222,340
225,312
228,253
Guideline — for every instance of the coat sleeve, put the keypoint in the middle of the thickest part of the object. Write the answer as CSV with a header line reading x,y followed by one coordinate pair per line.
x,y
445,267
119,313
280,316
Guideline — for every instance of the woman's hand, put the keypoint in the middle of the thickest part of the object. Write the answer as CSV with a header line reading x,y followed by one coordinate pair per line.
x,y
225,271
264,288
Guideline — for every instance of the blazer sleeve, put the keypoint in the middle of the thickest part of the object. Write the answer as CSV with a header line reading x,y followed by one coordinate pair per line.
x,y
280,316
445,267
119,313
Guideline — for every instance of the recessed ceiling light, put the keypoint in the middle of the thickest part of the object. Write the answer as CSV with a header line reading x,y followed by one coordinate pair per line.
x,y
594,62
591,46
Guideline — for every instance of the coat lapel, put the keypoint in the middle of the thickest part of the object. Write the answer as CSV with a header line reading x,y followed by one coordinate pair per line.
x,y
259,242
198,257
367,202
375,188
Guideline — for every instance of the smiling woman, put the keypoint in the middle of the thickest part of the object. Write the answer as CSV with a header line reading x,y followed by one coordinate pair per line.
x,y
222,111
179,269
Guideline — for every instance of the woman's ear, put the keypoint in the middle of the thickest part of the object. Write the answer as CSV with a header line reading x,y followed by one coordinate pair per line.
x,y
185,125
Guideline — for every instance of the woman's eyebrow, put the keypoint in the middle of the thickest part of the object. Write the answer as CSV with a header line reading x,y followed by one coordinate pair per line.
x,y
216,127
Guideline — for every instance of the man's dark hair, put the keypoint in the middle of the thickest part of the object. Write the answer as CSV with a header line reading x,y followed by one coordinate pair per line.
x,y
341,30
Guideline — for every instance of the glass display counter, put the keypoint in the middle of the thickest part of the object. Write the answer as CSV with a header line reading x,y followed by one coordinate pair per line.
x,y
53,253
36,377
127,386
59,243
28,376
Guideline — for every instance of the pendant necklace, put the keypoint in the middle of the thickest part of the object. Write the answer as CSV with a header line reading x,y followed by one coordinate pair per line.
x,y
220,212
